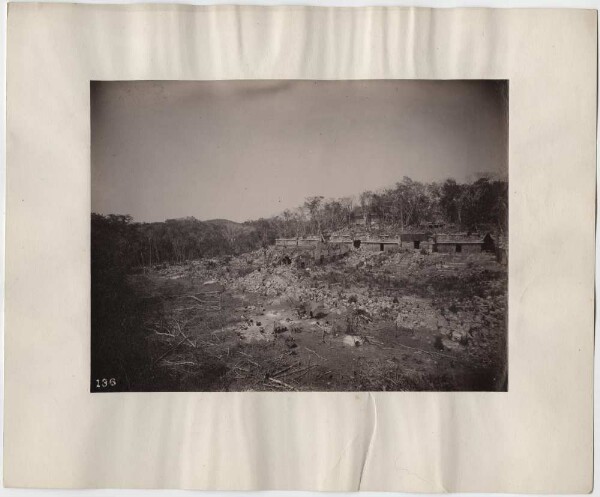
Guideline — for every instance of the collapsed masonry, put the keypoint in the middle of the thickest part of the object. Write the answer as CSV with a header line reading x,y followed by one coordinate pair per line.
x,y
307,251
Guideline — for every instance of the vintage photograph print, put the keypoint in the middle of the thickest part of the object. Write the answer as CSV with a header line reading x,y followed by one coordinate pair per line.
x,y
291,236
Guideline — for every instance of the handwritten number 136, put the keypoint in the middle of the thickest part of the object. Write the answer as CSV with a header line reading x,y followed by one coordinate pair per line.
x,y
106,382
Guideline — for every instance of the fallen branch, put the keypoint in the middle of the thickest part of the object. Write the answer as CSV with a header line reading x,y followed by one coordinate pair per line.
x,y
283,384
198,300
284,370
302,370
223,330
311,350
171,350
159,333
184,335
184,363
237,368
430,352
248,359
271,386
378,344
323,374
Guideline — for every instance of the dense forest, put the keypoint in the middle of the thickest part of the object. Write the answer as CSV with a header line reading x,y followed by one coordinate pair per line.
x,y
118,241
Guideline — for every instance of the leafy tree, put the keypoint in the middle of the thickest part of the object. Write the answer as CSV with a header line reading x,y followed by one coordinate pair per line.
x,y
313,205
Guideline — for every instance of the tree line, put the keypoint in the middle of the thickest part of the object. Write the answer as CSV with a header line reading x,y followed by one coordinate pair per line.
x,y
406,206
118,241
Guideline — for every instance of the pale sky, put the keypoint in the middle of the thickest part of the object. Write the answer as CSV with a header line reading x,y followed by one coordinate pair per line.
x,y
242,150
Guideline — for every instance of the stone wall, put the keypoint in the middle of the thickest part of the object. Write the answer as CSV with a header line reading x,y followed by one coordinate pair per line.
x,y
451,248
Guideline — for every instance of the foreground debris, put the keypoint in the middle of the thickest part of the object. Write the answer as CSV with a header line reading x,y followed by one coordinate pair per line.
x,y
397,320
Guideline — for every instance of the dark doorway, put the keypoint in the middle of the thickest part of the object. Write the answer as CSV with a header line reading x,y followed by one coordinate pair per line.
x,y
458,248
488,244
381,247
356,243
417,244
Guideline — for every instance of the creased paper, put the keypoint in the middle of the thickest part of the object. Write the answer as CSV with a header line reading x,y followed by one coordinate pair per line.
x,y
537,437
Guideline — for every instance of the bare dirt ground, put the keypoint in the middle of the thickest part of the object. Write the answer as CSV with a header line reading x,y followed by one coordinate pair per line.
x,y
371,321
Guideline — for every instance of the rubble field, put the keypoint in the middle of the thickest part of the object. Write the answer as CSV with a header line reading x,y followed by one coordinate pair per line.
x,y
403,320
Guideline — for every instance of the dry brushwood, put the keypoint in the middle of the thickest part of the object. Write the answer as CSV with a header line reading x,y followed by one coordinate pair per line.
x,y
283,384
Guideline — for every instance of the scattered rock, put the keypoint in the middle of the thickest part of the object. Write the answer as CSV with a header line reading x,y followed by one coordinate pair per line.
x,y
352,340
318,311
279,327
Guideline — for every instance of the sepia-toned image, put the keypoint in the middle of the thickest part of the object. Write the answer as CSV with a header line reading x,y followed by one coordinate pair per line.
x,y
299,235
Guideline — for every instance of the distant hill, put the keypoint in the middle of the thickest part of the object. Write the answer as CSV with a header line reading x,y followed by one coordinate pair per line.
x,y
225,222
231,225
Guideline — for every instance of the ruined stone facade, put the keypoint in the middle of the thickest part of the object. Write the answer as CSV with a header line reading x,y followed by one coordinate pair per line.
x,y
443,243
